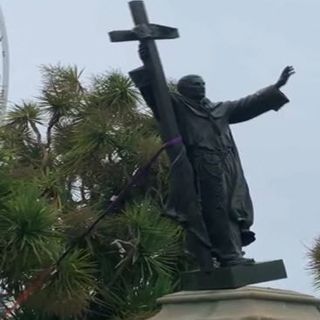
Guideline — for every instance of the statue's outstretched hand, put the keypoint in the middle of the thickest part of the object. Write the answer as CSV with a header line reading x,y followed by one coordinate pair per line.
x,y
287,72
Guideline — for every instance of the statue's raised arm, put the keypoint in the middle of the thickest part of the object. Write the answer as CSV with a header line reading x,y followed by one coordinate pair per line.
x,y
269,98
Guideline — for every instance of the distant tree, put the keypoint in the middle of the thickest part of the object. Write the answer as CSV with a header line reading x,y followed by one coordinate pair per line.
x,y
314,262
63,157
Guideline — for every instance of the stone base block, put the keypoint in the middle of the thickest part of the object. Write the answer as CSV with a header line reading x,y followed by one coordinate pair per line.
x,y
234,277
247,303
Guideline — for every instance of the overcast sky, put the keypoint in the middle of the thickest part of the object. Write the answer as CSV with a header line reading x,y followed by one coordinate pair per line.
x,y
238,47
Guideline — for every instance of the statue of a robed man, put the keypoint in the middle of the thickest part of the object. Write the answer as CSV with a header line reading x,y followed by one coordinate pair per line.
x,y
205,130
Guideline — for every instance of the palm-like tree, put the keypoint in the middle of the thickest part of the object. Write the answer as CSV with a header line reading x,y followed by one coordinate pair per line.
x,y
314,262
26,118
66,155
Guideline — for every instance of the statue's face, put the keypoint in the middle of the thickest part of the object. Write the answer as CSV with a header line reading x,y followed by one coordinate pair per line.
x,y
192,86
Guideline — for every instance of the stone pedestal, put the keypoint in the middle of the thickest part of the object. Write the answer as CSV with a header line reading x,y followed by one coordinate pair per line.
x,y
234,277
247,303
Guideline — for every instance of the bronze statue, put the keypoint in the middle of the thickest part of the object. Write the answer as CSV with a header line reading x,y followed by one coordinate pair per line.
x,y
209,194
205,129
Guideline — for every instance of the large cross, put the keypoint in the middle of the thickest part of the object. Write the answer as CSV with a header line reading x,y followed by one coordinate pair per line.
x,y
182,180
147,33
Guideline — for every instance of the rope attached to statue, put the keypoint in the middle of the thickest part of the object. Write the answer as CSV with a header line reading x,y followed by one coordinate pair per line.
x,y
39,281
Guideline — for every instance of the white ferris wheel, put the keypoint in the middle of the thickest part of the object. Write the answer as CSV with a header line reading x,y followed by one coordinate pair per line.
x,y
4,67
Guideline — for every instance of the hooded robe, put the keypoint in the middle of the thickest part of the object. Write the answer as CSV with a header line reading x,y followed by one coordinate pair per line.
x,y
205,130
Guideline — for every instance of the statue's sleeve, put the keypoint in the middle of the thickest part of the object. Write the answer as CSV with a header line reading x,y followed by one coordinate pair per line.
x,y
141,79
270,98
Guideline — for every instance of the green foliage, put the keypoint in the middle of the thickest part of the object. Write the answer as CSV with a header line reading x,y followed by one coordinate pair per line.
x,y
70,289
314,262
62,91
117,93
148,249
28,234
62,158
20,117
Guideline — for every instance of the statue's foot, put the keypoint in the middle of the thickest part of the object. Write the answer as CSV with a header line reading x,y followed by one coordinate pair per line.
x,y
236,262
247,237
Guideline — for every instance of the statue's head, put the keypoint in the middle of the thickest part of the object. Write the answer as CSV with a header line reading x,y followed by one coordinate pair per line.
x,y
192,86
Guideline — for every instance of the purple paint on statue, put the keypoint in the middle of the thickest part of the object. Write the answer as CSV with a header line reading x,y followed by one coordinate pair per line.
x,y
173,142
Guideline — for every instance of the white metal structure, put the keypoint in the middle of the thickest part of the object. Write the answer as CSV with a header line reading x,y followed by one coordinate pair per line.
x,y
4,67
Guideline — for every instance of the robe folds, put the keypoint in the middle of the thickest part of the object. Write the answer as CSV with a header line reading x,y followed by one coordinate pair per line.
x,y
220,183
